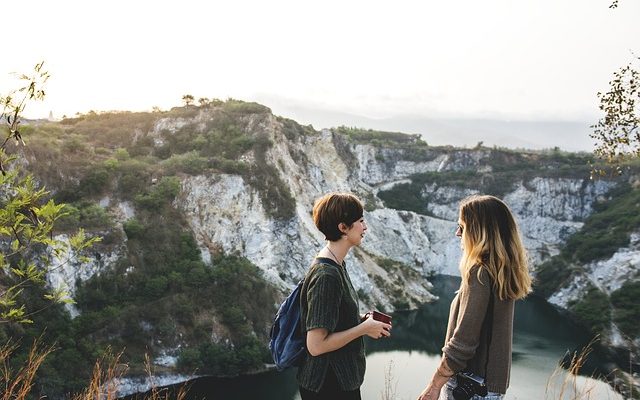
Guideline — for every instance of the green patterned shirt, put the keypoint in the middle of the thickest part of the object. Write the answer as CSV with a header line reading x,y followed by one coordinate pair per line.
x,y
328,300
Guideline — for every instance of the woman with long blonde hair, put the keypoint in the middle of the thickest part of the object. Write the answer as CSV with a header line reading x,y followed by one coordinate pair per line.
x,y
476,357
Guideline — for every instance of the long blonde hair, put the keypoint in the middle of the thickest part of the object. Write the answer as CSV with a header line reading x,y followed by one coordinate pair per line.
x,y
491,240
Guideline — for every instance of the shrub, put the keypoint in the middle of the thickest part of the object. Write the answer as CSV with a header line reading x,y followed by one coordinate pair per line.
x,y
404,196
121,154
609,227
134,177
189,163
242,107
161,194
190,360
593,310
84,214
381,138
626,308
132,228
551,275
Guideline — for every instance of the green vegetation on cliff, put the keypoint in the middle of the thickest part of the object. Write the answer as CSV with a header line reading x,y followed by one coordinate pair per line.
x,y
605,231
159,294
99,153
498,173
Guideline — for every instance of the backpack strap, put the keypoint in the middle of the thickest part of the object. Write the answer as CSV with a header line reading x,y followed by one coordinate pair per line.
x,y
304,288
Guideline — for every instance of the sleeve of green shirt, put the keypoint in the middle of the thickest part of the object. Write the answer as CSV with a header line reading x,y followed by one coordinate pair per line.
x,y
323,294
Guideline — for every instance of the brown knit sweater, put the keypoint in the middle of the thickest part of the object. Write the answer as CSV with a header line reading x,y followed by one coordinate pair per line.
x,y
467,344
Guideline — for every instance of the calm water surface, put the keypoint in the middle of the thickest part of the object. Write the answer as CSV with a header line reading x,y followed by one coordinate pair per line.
x,y
542,338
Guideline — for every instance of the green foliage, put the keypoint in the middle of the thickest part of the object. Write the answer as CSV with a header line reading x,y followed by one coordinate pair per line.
x,y
134,176
187,99
84,214
133,228
95,182
223,360
27,216
608,228
109,128
242,107
160,194
504,170
413,196
370,136
294,131
121,154
404,196
163,288
552,275
626,308
616,133
190,163
593,310
276,195
231,166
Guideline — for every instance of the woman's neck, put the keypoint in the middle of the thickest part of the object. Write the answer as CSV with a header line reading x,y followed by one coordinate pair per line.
x,y
338,250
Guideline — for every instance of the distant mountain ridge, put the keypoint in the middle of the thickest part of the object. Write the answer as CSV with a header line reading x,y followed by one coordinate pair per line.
x,y
568,135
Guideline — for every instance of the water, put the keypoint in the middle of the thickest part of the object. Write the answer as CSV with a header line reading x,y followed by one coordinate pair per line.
x,y
406,362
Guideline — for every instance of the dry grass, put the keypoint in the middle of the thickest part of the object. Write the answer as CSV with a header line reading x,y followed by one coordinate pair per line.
x,y
17,384
107,372
161,393
104,382
390,384
563,384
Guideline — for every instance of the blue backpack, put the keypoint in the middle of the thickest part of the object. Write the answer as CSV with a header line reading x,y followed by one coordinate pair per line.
x,y
287,342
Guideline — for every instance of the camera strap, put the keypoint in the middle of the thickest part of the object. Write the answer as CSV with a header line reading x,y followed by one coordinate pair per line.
x,y
489,319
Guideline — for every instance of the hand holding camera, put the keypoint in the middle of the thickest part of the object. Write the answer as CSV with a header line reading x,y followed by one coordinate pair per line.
x,y
469,385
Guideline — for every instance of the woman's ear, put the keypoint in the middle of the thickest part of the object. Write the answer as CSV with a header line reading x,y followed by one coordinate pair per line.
x,y
342,227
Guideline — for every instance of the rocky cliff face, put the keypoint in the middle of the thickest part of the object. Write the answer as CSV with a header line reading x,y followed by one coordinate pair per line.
x,y
608,276
227,212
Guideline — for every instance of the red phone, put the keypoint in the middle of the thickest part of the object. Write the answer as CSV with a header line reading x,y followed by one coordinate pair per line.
x,y
382,317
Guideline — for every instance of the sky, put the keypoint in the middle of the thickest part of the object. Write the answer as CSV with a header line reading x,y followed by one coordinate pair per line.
x,y
375,64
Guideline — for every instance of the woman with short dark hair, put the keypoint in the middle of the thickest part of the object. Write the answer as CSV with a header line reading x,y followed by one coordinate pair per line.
x,y
334,366
495,274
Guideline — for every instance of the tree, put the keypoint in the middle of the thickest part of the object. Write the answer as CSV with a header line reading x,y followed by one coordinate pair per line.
x,y
617,134
188,99
28,249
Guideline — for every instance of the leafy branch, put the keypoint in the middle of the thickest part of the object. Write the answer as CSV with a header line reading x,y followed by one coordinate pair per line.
x,y
28,249
617,134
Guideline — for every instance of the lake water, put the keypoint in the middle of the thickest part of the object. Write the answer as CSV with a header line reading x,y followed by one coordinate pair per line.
x,y
407,360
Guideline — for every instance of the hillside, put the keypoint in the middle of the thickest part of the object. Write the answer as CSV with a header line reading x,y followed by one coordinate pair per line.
x,y
205,214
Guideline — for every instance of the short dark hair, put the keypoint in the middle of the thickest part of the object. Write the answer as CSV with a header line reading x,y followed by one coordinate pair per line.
x,y
334,208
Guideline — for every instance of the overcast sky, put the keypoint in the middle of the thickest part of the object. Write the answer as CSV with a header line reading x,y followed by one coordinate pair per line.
x,y
534,60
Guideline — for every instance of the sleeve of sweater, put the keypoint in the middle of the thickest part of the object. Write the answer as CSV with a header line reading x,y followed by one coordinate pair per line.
x,y
464,341
323,296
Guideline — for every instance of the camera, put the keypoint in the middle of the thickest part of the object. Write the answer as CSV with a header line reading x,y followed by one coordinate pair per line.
x,y
468,385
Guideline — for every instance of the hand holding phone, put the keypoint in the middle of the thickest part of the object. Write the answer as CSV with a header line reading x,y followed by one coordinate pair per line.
x,y
377,330
382,317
